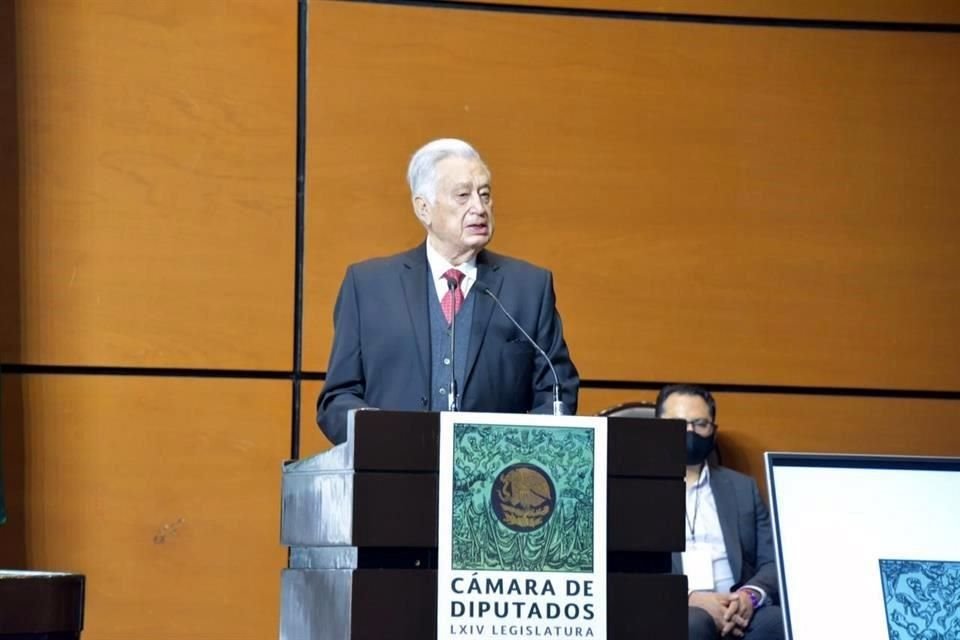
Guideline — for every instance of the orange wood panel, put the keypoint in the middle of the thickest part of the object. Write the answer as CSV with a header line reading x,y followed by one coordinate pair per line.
x,y
312,440
165,492
751,424
156,182
721,203
593,401
935,11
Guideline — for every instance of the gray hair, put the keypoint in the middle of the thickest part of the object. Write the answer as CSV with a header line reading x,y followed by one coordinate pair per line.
x,y
422,172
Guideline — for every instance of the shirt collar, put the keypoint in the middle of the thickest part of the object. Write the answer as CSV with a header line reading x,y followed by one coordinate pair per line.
x,y
439,265
704,477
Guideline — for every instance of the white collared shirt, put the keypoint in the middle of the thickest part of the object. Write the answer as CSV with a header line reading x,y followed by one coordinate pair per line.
x,y
439,266
703,526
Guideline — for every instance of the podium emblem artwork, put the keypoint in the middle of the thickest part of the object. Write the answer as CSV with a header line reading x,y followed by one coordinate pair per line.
x,y
922,599
521,538
522,498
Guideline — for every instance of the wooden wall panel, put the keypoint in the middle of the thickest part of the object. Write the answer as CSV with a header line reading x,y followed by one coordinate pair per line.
x,y
164,492
593,401
312,440
752,423
935,11
156,183
721,203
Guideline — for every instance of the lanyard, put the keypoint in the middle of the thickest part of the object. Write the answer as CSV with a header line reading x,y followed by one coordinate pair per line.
x,y
692,524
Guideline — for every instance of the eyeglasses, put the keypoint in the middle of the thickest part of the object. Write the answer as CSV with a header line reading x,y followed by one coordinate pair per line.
x,y
701,425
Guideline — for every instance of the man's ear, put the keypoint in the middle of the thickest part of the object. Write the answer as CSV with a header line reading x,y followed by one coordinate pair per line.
x,y
421,208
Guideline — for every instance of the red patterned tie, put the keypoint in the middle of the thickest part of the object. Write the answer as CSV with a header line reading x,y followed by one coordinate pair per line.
x,y
452,299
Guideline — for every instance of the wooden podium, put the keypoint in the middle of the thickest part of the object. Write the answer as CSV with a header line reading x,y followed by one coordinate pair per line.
x,y
361,524
36,605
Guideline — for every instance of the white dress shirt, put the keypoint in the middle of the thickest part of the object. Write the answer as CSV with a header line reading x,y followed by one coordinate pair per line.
x,y
703,529
439,266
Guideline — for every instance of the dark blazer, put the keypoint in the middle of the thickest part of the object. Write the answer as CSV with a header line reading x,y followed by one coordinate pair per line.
x,y
745,523
381,346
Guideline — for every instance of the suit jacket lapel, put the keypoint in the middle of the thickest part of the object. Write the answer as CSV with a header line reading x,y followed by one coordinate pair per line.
x,y
413,279
483,306
726,501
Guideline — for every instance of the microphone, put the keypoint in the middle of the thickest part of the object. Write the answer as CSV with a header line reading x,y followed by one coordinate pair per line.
x,y
452,404
559,409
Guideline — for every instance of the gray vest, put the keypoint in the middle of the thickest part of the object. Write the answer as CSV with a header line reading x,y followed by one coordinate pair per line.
x,y
440,348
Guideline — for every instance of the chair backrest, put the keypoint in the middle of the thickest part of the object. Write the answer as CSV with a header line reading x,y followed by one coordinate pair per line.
x,y
637,409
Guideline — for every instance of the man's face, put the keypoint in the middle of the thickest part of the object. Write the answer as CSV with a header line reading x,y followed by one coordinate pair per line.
x,y
693,409
460,222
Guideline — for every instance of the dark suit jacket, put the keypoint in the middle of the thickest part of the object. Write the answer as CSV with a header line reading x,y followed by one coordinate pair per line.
x,y
381,347
745,523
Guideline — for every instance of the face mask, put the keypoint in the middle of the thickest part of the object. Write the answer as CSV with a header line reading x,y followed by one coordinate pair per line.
x,y
698,447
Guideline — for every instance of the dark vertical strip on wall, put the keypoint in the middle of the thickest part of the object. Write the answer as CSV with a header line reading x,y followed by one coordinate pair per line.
x,y
13,533
10,196
3,503
298,272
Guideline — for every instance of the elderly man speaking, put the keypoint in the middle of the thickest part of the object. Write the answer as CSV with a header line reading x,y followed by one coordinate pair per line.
x,y
421,331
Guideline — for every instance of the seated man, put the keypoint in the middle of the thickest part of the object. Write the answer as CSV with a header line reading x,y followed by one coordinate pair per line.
x,y
729,558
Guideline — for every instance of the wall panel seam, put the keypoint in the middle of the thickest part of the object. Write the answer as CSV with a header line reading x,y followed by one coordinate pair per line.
x,y
651,16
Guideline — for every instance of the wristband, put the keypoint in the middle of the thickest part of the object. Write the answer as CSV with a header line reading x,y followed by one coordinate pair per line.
x,y
754,597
